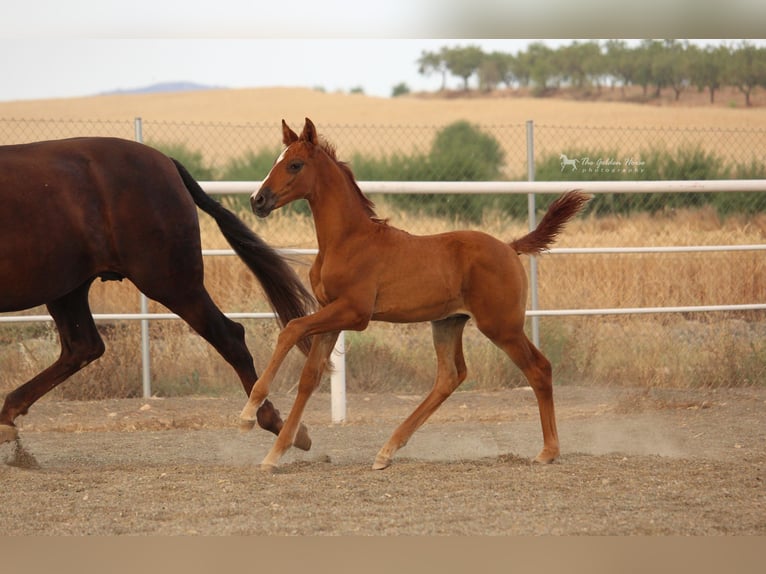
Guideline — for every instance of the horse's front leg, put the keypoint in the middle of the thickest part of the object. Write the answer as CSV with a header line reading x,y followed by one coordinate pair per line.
x,y
337,316
316,363
287,338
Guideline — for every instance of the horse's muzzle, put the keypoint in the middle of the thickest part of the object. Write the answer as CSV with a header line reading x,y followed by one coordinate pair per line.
x,y
263,202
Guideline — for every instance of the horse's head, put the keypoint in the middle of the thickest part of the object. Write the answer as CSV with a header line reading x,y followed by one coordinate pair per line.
x,y
291,176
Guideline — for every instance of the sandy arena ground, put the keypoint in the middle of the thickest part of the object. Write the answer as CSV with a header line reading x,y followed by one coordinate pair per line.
x,y
633,462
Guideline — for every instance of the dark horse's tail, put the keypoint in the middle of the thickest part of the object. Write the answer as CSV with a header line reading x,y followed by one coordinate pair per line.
x,y
286,293
559,212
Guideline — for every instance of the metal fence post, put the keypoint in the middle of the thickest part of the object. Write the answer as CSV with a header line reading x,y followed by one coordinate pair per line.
x,y
532,224
146,377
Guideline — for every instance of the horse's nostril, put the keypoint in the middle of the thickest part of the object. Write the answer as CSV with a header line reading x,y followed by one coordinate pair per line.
x,y
259,200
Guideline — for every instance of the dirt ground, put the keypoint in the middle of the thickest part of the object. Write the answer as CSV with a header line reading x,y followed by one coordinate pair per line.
x,y
633,462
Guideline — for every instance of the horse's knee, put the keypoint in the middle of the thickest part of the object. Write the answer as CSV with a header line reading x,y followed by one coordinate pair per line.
x,y
81,353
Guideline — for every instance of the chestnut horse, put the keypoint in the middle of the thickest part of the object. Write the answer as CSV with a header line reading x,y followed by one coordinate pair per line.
x,y
367,270
75,210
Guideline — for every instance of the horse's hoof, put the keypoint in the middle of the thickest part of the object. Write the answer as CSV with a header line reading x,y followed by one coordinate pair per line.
x,y
268,468
381,462
8,433
546,457
246,425
302,438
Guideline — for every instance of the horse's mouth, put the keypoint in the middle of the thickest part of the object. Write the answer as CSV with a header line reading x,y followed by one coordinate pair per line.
x,y
263,202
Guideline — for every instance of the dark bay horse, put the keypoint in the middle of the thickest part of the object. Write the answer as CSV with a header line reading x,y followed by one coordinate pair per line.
x,y
367,270
75,210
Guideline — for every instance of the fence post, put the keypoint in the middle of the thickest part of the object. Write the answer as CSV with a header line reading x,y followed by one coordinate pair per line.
x,y
146,376
532,224
338,380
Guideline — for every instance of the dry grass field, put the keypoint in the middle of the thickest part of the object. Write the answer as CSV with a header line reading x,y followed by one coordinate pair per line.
x,y
267,106
660,350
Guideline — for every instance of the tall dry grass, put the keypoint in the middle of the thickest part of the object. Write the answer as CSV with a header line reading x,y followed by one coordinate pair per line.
x,y
675,350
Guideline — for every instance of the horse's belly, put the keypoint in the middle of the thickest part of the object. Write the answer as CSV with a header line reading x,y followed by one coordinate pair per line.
x,y
414,308
27,282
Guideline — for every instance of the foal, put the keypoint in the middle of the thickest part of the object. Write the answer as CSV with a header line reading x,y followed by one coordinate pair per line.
x,y
368,271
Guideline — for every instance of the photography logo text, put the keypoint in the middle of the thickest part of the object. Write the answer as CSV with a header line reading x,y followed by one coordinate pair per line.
x,y
601,165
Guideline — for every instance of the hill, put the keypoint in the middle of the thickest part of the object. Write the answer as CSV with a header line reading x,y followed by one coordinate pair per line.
x,y
163,87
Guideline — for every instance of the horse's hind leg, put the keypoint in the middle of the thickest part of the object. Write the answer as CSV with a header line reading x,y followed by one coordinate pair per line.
x,y
537,370
450,372
80,344
228,338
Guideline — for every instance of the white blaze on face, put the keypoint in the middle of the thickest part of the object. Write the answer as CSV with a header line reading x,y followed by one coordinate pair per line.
x,y
279,159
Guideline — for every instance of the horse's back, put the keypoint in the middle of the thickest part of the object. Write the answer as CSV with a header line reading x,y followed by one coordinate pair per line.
x,y
85,171
78,208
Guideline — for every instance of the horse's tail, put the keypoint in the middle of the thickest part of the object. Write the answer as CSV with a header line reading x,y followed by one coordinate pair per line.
x,y
559,212
284,290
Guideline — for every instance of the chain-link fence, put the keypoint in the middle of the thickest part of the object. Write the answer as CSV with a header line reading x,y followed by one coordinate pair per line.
x,y
220,143
215,151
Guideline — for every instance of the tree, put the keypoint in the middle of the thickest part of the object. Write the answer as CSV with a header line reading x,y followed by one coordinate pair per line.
x,y
463,62
661,66
431,62
594,63
644,54
542,68
495,68
747,69
620,63
580,64
678,65
400,89
507,68
521,68
708,68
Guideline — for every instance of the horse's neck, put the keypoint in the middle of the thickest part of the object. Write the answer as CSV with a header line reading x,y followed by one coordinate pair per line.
x,y
338,211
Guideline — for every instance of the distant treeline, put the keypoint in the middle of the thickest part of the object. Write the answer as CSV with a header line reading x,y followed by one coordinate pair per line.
x,y
651,64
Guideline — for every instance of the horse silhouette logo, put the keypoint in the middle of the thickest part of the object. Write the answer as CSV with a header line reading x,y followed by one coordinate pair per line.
x,y
565,161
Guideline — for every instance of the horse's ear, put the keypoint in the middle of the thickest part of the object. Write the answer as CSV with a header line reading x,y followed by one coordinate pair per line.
x,y
288,135
309,132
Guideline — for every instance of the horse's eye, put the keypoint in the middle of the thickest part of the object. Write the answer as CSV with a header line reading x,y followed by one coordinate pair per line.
x,y
294,166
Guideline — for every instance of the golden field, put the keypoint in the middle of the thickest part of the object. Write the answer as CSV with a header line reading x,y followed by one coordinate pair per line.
x,y
268,106
650,350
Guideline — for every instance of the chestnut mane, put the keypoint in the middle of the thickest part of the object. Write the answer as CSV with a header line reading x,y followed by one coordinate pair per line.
x,y
367,203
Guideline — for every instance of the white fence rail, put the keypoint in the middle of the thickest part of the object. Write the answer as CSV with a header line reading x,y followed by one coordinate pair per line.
x,y
503,187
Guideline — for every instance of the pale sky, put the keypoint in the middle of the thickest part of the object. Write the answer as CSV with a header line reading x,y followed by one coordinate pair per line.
x,y
67,48
67,67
